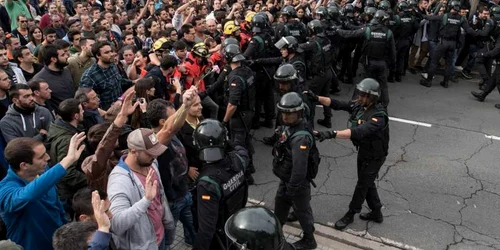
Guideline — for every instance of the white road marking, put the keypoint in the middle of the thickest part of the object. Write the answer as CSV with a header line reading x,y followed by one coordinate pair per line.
x,y
492,137
256,202
423,124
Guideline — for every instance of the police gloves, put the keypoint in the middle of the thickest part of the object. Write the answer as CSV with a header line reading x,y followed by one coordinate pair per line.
x,y
323,135
311,95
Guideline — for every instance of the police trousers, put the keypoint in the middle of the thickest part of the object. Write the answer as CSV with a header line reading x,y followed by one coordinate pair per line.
x,y
239,133
264,96
447,49
493,82
301,204
376,69
365,187
320,85
402,47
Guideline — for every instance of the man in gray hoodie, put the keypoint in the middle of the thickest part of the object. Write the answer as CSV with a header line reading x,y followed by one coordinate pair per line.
x,y
24,118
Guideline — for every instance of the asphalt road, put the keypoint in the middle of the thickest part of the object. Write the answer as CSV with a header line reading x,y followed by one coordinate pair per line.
x,y
439,185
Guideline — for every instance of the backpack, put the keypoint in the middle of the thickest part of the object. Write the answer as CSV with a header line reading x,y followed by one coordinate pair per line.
x,y
314,159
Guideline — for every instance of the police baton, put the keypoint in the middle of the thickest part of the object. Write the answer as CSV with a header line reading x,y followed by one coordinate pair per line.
x,y
204,76
312,183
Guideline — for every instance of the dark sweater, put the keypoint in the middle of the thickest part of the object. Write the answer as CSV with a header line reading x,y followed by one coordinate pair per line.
x,y
61,84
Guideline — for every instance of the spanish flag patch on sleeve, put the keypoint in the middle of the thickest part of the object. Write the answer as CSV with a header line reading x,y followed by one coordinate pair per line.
x,y
374,119
303,147
205,197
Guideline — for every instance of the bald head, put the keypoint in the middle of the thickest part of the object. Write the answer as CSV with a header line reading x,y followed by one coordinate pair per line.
x,y
211,25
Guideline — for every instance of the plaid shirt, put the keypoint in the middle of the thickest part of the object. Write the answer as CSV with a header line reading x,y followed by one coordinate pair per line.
x,y
106,82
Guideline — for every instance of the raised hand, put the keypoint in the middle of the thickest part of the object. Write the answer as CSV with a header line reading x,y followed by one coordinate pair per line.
x,y
99,207
74,150
127,107
151,188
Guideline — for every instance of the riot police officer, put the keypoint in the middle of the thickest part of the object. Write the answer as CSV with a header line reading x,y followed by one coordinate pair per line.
x,y
369,132
287,80
256,228
240,102
260,47
221,188
291,165
449,35
407,25
380,50
292,27
319,56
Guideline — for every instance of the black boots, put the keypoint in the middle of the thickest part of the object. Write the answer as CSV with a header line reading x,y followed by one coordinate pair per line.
x,y
307,242
390,78
344,221
374,215
444,83
479,95
426,83
397,77
325,122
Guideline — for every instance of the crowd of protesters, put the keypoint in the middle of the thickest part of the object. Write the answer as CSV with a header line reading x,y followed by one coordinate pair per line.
x,y
99,100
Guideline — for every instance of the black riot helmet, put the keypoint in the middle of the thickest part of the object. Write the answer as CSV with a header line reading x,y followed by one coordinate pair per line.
x,y
495,10
370,3
255,228
348,10
286,73
413,4
322,12
259,23
289,42
289,11
230,40
384,5
334,12
370,12
316,28
290,102
210,138
380,17
403,7
232,53
455,5
368,86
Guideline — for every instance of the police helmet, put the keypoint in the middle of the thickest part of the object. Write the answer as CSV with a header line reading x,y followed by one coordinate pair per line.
x,y
494,10
210,139
230,27
232,53
368,86
316,28
289,11
370,3
402,6
288,42
348,10
380,17
322,12
230,40
384,5
413,4
201,50
255,228
455,5
286,73
290,102
370,12
333,12
258,23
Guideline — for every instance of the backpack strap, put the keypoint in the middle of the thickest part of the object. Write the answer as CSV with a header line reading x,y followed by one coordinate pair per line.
x,y
207,178
368,33
445,19
303,132
260,41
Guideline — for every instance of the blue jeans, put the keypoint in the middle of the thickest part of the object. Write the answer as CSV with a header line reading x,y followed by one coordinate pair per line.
x,y
181,210
163,244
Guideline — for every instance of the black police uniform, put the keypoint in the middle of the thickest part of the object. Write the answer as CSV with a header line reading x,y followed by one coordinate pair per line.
x,y
290,165
260,47
407,26
293,28
379,50
319,75
449,33
370,135
240,91
222,190
298,63
348,45
494,81
488,34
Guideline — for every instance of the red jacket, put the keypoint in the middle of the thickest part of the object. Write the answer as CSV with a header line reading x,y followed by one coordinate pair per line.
x,y
194,71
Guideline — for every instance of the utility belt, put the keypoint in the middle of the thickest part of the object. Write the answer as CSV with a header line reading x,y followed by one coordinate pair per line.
x,y
451,39
371,149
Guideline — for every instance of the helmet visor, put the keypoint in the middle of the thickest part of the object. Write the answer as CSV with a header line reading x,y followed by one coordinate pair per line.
x,y
211,154
361,90
282,43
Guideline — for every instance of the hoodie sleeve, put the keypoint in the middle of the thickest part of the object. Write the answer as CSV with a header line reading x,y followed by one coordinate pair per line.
x,y
15,198
9,132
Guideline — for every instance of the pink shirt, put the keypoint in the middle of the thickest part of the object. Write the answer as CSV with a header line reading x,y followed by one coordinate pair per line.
x,y
155,209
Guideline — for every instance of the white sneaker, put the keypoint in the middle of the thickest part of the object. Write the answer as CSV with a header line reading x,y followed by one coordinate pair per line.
x,y
459,68
424,75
